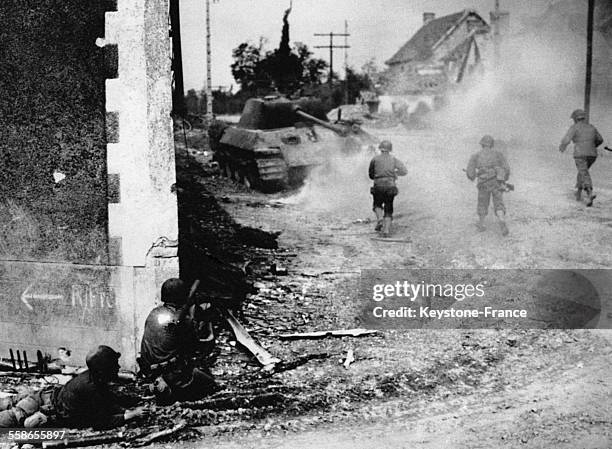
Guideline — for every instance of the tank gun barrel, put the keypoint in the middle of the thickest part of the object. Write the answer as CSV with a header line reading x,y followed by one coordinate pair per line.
x,y
337,129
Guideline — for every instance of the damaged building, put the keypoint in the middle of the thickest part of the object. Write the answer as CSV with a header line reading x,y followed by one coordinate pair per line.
x,y
443,52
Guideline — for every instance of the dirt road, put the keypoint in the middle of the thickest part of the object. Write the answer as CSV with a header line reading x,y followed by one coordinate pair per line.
x,y
431,389
576,413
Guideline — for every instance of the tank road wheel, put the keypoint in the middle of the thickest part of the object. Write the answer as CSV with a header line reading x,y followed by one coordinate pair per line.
x,y
244,177
226,170
235,174
221,167
248,178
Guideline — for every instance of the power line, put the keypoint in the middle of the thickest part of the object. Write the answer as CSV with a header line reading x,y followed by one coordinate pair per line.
x,y
331,47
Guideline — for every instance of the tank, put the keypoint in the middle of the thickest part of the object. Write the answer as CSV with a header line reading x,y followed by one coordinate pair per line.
x,y
278,141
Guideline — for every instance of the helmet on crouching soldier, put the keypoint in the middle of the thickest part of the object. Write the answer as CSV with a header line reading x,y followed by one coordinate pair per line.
x,y
174,291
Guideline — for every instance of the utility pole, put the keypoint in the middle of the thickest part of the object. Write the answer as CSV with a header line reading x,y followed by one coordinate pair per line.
x,y
331,47
497,33
500,21
589,60
495,17
346,85
209,101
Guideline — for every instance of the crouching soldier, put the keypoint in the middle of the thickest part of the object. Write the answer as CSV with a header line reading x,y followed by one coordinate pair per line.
x,y
168,346
85,401
384,170
492,170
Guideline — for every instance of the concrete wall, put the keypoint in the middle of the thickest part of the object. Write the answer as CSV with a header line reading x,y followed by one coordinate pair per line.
x,y
52,116
52,305
48,305
142,154
393,103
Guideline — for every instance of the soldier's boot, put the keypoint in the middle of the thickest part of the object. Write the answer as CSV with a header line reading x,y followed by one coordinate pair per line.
x,y
578,194
386,227
481,224
501,218
379,218
590,196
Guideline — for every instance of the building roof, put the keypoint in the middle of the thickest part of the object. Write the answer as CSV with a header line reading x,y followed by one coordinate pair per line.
x,y
420,47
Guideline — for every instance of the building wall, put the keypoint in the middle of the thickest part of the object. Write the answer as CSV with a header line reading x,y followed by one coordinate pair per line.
x,y
48,305
52,117
141,156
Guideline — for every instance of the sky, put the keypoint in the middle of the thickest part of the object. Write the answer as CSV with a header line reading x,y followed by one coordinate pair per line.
x,y
378,28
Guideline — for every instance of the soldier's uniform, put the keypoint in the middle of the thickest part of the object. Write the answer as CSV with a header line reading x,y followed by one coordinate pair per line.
x,y
586,139
85,401
168,345
491,169
384,170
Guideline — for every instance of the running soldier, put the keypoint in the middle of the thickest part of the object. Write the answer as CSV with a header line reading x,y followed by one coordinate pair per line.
x,y
586,139
384,170
492,170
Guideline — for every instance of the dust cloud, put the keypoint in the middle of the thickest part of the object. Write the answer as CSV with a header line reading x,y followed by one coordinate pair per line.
x,y
524,101
341,186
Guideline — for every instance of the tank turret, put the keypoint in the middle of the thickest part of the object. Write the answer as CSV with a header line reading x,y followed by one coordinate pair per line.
x,y
277,141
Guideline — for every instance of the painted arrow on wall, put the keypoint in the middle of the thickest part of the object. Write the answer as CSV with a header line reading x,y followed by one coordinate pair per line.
x,y
27,296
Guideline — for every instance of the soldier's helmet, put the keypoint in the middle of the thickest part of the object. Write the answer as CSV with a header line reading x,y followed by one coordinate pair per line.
x,y
487,141
385,145
103,363
579,114
174,291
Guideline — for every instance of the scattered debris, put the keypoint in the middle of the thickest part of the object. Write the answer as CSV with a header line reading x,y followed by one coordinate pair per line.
x,y
90,440
233,401
264,357
350,358
363,221
286,366
257,237
335,333
275,205
391,240
278,270
161,434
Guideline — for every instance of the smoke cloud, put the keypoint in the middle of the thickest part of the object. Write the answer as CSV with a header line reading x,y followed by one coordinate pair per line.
x,y
524,101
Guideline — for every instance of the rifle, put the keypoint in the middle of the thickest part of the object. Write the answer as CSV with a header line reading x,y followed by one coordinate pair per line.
x,y
608,148
504,185
191,301
241,334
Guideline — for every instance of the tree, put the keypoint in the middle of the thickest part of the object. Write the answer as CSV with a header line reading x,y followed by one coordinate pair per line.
x,y
255,69
372,71
313,69
356,83
285,69
247,65
192,102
